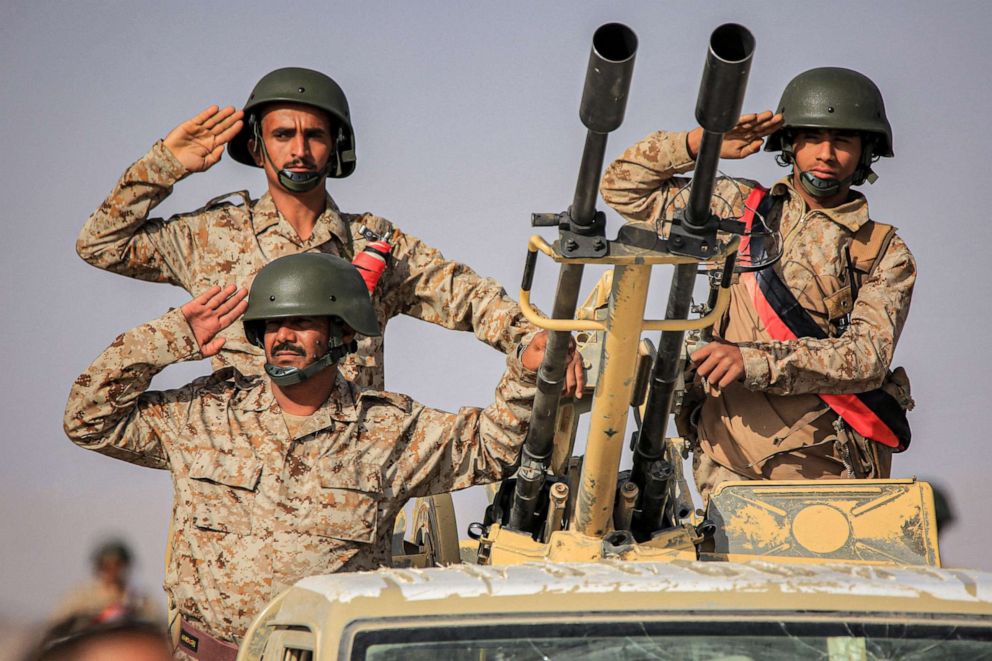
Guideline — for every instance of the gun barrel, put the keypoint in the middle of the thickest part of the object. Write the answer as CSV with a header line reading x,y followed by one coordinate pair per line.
x,y
604,101
718,106
611,66
725,74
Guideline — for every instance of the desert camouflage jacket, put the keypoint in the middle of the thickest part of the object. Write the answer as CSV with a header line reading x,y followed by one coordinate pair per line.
x,y
225,243
256,508
775,409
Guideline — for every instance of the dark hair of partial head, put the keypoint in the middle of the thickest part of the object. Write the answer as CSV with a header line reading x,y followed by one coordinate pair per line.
x,y
67,639
112,548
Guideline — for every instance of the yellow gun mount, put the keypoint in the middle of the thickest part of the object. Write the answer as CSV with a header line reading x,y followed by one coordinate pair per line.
x,y
622,329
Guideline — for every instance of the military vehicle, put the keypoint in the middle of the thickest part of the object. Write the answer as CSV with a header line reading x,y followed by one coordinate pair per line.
x,y
575,558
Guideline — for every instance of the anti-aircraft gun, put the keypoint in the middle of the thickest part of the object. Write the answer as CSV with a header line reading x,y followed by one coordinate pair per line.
x,y
547,501
584,509
575,557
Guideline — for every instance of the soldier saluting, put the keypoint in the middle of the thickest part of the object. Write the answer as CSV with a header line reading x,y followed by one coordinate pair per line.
x,y
798,379
297,127
294,473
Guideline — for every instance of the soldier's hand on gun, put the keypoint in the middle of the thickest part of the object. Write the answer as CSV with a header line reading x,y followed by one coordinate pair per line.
x,y
199,143
213,311
720,363
575,376
744,139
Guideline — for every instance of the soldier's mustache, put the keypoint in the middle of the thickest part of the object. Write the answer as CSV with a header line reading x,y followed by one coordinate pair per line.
x,y
300,163
289,346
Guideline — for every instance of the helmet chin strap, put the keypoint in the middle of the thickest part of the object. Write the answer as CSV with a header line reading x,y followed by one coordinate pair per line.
x,y
294,182
298,182
289,376
821,187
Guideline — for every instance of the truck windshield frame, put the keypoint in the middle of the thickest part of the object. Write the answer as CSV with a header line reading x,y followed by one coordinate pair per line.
x,y
828,636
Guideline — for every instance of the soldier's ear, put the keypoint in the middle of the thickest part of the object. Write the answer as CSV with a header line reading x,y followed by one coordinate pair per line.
x,y
255,149
347,333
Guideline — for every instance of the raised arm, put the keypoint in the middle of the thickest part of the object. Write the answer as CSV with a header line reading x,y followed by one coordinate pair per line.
x,y
443,452
110,409
423,284
120,237
642,186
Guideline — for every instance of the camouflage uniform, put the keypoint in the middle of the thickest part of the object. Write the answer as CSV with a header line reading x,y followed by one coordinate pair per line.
x,y
225,243
772,424
256,508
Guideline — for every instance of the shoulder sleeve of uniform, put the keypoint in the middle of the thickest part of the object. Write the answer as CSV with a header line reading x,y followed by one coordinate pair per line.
x,y
859,359
224,380
422,283
217,211
120,236
377,224
110,409
642,184
239,198
358,227
402,402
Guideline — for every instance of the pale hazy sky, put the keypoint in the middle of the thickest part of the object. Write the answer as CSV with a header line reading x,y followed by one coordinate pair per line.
x,y
466,120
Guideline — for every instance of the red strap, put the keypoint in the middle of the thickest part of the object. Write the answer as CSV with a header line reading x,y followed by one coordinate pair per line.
x,y
750,206
862,419
775,326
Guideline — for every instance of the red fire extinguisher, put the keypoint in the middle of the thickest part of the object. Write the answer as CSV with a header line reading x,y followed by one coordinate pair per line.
x,y
373,259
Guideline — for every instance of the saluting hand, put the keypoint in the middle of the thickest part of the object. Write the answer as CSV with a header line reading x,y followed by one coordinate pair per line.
x,y
199,143
213,311
744,139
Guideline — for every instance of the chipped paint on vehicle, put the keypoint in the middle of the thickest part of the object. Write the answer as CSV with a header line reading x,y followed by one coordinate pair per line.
x,y
668,578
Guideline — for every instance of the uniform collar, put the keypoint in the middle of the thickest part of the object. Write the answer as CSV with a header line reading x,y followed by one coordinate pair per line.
x,y
265,216
341,405
852,214
256,395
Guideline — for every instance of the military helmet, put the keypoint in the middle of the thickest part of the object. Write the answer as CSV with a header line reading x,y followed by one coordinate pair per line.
x,y
307,87
308,285
833,98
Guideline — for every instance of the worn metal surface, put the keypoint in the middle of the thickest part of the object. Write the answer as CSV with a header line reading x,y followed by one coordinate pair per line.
x,y
876,521
608,418
558,499
508,547
791,585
